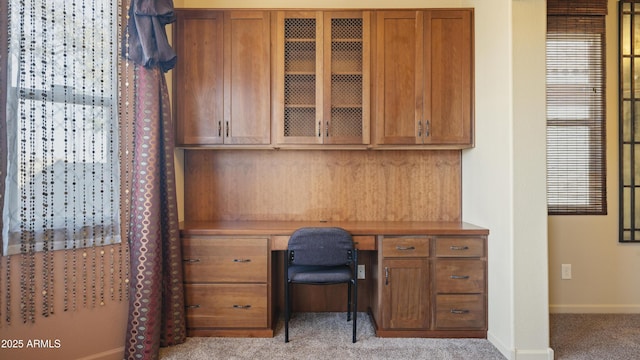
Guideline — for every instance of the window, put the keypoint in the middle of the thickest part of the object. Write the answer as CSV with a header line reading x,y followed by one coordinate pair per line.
x,y
576,176
62,183
629,127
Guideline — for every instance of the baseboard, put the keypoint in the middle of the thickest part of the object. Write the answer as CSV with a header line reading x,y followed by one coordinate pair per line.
x,y
505,350
543,354
595,309
516,354
113,354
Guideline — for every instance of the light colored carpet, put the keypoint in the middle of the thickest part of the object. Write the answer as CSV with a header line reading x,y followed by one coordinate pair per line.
x,y
595,336
328,336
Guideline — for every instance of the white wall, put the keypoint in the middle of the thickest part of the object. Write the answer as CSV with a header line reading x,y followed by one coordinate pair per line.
x,y
504,183
605,272
504,176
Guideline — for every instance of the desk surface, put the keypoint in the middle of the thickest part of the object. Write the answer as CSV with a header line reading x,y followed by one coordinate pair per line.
x,y
354,227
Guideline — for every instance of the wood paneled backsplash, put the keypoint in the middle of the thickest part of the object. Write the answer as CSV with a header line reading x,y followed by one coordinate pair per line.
x,y
334,185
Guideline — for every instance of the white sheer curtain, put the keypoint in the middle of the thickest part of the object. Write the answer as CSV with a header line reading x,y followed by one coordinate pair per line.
x,y
62,180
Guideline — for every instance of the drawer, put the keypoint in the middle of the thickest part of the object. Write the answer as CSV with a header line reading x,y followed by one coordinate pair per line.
x,y
364,242
405,247
460,247
361,242
460,312
226,305
460,276
225,260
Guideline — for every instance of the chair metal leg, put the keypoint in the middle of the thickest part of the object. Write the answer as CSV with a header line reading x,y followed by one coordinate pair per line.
x,y
287,305
287,312
355,294
355,309
349,301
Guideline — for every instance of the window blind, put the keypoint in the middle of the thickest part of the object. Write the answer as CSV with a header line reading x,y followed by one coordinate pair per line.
x,y
576,177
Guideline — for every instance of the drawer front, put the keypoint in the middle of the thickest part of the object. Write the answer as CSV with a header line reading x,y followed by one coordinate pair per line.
x,y
460,247
226,305
224,260
405,247
460,312
460,276
364,242
361,242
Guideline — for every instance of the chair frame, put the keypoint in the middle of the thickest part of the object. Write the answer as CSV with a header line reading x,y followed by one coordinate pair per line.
x,y
352,285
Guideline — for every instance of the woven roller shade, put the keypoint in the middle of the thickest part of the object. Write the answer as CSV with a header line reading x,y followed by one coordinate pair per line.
x,y
576,7
576,176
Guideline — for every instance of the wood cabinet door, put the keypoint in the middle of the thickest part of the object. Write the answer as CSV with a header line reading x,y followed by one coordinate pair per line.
x,y
448,95
198,77
298,102
346,76
424,77
247,80
405,303
399,77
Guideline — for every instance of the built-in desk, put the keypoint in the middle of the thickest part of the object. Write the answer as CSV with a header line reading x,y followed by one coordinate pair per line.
x,y
423,279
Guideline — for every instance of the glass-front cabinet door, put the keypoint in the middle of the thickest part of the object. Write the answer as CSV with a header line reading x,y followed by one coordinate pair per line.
x,y
322,71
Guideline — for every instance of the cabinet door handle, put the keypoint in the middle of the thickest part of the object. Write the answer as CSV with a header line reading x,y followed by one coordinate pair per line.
x,y
227,123
191,261
219,128
327,129
459,248
419,128
242,306
241,260
459,311
405,248
426,128
459,277
319,129
386,275
192,306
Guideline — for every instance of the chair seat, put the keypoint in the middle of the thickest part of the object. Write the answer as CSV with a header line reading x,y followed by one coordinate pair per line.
x,y
319,274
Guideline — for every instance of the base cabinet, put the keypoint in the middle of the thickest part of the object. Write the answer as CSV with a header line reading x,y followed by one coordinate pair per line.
x,y
226,286
406,294
431,286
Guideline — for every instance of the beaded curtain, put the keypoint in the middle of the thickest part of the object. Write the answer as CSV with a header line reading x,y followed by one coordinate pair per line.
x,y
60,165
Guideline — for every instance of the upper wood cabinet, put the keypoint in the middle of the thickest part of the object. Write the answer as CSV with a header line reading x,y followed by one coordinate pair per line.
x,y
424,78
322,77
222,87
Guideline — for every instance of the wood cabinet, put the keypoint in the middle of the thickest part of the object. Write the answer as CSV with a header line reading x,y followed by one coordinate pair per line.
x,y
460,283
432,286
222,80
322,77
405,285
226,286
424,78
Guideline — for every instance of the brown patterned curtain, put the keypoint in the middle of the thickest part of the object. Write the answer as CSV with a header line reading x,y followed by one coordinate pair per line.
x,y
156,301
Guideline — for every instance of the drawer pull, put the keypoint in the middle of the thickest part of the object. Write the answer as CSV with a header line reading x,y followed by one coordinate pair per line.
x,y
192,306
241,306
405,248
241,260
459,311
459,277
386,275
191,261
459,248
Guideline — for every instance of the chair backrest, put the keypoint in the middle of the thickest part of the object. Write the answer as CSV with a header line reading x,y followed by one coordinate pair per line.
x,y
328,246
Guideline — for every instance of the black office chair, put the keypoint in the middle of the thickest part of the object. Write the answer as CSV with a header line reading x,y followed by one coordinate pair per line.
x,y
321,256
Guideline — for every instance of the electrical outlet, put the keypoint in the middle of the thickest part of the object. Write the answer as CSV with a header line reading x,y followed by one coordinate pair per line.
x,y
361,272
566,272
